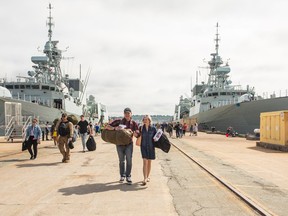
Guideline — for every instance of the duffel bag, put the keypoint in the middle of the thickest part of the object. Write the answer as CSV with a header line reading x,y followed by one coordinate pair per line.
x,y
118,137
91,144
108,136
73,119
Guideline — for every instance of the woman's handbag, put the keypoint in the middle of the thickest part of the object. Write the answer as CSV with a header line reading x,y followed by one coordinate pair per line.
x,y
24,145
138,140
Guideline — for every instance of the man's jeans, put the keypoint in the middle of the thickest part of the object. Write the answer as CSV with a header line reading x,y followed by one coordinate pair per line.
x,y
125,151
83,139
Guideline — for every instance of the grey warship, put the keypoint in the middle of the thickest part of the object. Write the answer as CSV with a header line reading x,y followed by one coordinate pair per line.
x,y
219,104
46,92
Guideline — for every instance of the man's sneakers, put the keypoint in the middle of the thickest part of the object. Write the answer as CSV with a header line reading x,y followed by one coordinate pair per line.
x,y
121,179
129,181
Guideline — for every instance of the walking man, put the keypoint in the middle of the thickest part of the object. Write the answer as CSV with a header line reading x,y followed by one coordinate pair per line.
x,y
125,151
83,127
65,131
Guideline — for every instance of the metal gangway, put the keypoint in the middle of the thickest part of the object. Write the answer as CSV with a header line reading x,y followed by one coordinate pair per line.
x,y
15,123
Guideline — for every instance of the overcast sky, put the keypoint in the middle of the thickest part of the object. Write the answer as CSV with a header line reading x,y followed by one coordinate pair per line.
x,y
143,53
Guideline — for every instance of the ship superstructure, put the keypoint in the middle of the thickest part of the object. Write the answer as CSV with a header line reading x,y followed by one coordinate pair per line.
x,y
219,104
46,85
218,91
46,92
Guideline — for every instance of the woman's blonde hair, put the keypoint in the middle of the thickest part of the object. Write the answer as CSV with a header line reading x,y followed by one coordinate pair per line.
x,y
148,117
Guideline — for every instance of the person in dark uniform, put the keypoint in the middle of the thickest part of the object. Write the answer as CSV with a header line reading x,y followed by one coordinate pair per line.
x,y
47,130
147,146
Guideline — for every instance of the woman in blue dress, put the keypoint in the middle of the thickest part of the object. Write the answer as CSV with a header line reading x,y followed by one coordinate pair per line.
x,y
147,146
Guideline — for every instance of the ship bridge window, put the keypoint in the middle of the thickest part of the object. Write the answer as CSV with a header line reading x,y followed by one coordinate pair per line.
x,y
45,87
16,86
9,86
22,86
215,93
209,95
222,93
52,88
28,87
35,86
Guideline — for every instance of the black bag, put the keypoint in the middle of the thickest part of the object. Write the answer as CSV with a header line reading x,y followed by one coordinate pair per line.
x,y
24,145
70,145
91,144
163,143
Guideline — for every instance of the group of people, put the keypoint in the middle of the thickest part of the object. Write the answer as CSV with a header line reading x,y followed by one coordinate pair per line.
x,y
193,129
62,133
65,131
182,129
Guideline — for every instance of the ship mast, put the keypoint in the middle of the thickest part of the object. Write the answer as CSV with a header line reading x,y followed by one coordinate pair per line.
x,y
214,82
50,24
53,53
47,68
217,39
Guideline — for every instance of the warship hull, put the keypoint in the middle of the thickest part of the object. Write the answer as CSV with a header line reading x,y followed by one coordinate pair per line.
x,y
44,113
243,117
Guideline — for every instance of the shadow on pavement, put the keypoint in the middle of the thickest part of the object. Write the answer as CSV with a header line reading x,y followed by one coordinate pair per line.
x,y
14,160
266,150
99,187
37,164
51,147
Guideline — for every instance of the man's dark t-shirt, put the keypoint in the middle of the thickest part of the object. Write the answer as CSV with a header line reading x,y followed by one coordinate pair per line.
x,y
83,126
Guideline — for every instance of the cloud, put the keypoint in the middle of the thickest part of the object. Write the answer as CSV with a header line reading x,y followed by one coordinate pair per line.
x,y
143,54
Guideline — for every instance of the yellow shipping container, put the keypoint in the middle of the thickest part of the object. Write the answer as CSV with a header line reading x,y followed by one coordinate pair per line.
x,y
274,127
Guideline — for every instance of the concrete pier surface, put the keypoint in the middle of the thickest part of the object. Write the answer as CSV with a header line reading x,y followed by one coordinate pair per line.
x,y
88,185
261,174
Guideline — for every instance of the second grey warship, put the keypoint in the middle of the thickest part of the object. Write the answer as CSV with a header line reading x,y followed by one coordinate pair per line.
x,y
219,104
